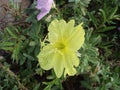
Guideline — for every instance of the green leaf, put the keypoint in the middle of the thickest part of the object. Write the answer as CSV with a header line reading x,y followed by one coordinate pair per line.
x,y
28,56
113,12
6,44
16,51
108,28
93,19
11,33
103,15
36,87
96,40
7,48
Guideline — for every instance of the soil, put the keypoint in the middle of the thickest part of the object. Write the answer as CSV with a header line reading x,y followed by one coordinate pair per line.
x,y
8,14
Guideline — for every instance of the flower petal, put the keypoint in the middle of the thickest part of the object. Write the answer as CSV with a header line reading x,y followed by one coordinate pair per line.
x,y
71,71
58,64
69,65
41,3
69,28
53,31
45,57
76,39
56,30
42,14
75,59
44,6
62,29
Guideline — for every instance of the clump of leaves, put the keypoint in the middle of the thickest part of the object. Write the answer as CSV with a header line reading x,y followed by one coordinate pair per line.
x,y
98,68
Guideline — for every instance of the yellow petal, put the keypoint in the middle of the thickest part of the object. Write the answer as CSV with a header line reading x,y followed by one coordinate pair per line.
x,y
75,59
53,31
46,62
56,30
47,50
45,57
76,39
71,71
69,65
69,28
58,64
62,25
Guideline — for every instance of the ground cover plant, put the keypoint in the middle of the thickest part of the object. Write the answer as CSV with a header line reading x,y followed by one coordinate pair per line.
x,y
61,45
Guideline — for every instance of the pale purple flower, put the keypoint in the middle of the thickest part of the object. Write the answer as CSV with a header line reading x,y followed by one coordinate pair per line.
x,y
44,6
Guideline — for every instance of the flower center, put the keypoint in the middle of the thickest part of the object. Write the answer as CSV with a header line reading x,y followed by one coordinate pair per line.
x,y
60,46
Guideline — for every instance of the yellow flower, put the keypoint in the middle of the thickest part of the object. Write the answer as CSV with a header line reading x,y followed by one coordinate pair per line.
x,y
61,52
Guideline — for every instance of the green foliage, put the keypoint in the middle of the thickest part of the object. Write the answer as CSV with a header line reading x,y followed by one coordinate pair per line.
x,y
99,56
7,78
53,85
89,53
82,4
